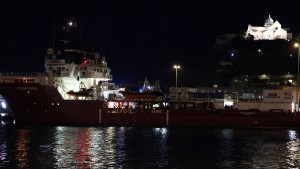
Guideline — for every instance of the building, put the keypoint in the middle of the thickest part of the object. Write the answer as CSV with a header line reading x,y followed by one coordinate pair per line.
x,y
270,31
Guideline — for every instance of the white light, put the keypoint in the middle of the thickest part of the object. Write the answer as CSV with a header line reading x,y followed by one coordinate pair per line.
x,y
3,105
176,67
292,134
162,131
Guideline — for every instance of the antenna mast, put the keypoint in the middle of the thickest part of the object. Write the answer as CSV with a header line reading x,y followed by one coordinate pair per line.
x,y
54,25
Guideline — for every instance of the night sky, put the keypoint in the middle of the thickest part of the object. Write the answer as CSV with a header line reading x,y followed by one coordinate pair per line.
x,y
138,38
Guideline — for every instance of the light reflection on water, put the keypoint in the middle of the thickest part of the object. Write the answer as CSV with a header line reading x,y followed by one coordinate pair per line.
x,y
106,147
22,153
87,147
133,147
293,150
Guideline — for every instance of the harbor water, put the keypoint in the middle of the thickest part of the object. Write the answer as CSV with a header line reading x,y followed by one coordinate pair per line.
x,y
147,147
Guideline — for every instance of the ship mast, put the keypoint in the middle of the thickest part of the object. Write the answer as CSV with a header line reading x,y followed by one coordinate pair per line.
x,y
54,32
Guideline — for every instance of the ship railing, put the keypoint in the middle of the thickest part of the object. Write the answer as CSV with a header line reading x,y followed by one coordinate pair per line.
x,y
107,77
136,110
59,75
23,74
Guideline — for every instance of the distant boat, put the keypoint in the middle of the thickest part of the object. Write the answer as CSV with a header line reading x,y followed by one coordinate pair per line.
x,y
6,116
147,92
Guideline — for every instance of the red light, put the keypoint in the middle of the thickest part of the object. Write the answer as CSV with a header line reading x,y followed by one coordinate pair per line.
x,y
84,62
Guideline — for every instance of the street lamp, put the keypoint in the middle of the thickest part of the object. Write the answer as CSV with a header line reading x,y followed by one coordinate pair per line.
x,y
176,67
297,101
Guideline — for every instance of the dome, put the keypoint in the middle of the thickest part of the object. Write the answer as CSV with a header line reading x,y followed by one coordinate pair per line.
x,y
269,21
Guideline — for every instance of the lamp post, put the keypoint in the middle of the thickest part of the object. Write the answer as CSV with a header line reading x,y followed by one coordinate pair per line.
x,y
297,101
176,67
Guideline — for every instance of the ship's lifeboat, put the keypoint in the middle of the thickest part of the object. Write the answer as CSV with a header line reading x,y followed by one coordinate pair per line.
x,y
81,93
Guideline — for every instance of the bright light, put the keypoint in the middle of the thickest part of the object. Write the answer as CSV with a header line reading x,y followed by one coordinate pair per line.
x,y
228,102
156,105
264,76
296,45
176,66
292,135
3,105
162,131
165,104
122,89
70,23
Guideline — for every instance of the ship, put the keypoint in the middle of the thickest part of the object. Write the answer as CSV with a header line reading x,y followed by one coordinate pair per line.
x,y
143,92
77,89
235,107
6,115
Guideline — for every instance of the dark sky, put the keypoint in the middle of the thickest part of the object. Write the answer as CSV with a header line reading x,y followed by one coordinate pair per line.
x,y
142,38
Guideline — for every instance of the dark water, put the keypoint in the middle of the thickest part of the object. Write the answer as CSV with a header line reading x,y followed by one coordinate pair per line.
x,y
133,147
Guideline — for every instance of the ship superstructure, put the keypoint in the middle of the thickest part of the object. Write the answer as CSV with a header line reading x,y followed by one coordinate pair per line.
x,y
76,69
88,79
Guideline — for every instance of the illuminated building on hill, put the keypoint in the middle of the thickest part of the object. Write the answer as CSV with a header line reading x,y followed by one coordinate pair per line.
x,y
270,31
